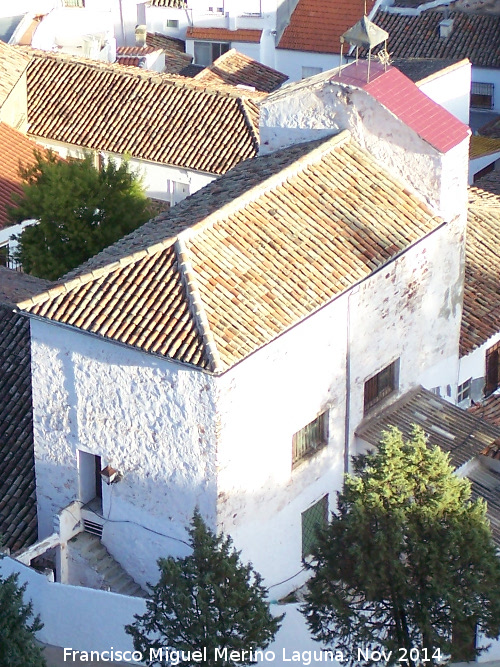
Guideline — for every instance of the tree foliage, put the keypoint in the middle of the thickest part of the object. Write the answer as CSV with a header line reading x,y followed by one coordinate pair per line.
x,y
408,559
207,599
80,209
17,627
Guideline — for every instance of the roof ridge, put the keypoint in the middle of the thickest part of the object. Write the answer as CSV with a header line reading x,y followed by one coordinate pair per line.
x,y
197,308
242,103
159,78
273,181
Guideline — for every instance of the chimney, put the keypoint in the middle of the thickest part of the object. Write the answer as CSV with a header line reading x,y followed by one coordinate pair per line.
x,y
445,28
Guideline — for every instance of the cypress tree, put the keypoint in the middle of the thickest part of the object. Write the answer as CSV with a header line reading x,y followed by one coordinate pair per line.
x,y
17,627
207,600
407,561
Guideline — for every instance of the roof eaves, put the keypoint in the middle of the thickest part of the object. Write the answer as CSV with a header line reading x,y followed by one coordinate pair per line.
x,y
196,304
242,104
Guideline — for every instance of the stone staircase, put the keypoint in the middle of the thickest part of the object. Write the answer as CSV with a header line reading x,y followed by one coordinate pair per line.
x,y
108,574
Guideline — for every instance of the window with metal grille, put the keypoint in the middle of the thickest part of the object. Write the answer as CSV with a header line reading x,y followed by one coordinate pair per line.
x,y
74,3
492,369
310,439
381,385
482,95
313,519
464,390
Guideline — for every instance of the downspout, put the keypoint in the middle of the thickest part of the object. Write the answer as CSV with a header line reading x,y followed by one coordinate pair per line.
x,y
347,422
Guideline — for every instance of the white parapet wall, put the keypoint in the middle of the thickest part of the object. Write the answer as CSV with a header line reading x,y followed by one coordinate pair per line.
x,y
83,619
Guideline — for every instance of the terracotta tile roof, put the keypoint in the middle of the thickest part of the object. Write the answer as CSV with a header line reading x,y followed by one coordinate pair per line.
x,y
169,3
135,50
16,286
482,146
474,36
404,99
486,186
18,519
176,59
491,129
130,61
235,69
224,35
485,483
481,306
13,62
248,257
421,69
317,25
15,148
452,429
151,116
489,409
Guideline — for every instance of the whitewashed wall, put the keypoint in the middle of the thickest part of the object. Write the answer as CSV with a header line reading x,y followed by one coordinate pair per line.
x,y
291,62
317,108
82,618
158,179
150,419
410,310
479,163
451,89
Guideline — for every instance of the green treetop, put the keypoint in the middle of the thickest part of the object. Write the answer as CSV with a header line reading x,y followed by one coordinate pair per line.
x,y
407,560
208,599
81,210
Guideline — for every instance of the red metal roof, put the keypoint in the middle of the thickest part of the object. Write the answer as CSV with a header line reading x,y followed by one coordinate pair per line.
x,y
224,35
316,25
405,100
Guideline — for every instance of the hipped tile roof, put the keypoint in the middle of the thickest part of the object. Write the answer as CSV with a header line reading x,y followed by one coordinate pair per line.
x,y
15,149
473,36
147,115
175,57
235,69
454,430
224,35
481,306
18,518
246,258
317,25
12,66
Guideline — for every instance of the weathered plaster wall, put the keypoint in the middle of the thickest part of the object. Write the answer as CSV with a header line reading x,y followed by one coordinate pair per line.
x,y
318,108
151,420
410,310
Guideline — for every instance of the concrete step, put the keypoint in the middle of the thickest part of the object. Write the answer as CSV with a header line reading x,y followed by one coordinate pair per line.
x,y
115,578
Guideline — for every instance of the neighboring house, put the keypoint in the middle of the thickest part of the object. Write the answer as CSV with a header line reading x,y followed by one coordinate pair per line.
x,y
440,33
297,37
479,373
178,134
15,150
310,43
18,519
236,69
224,354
